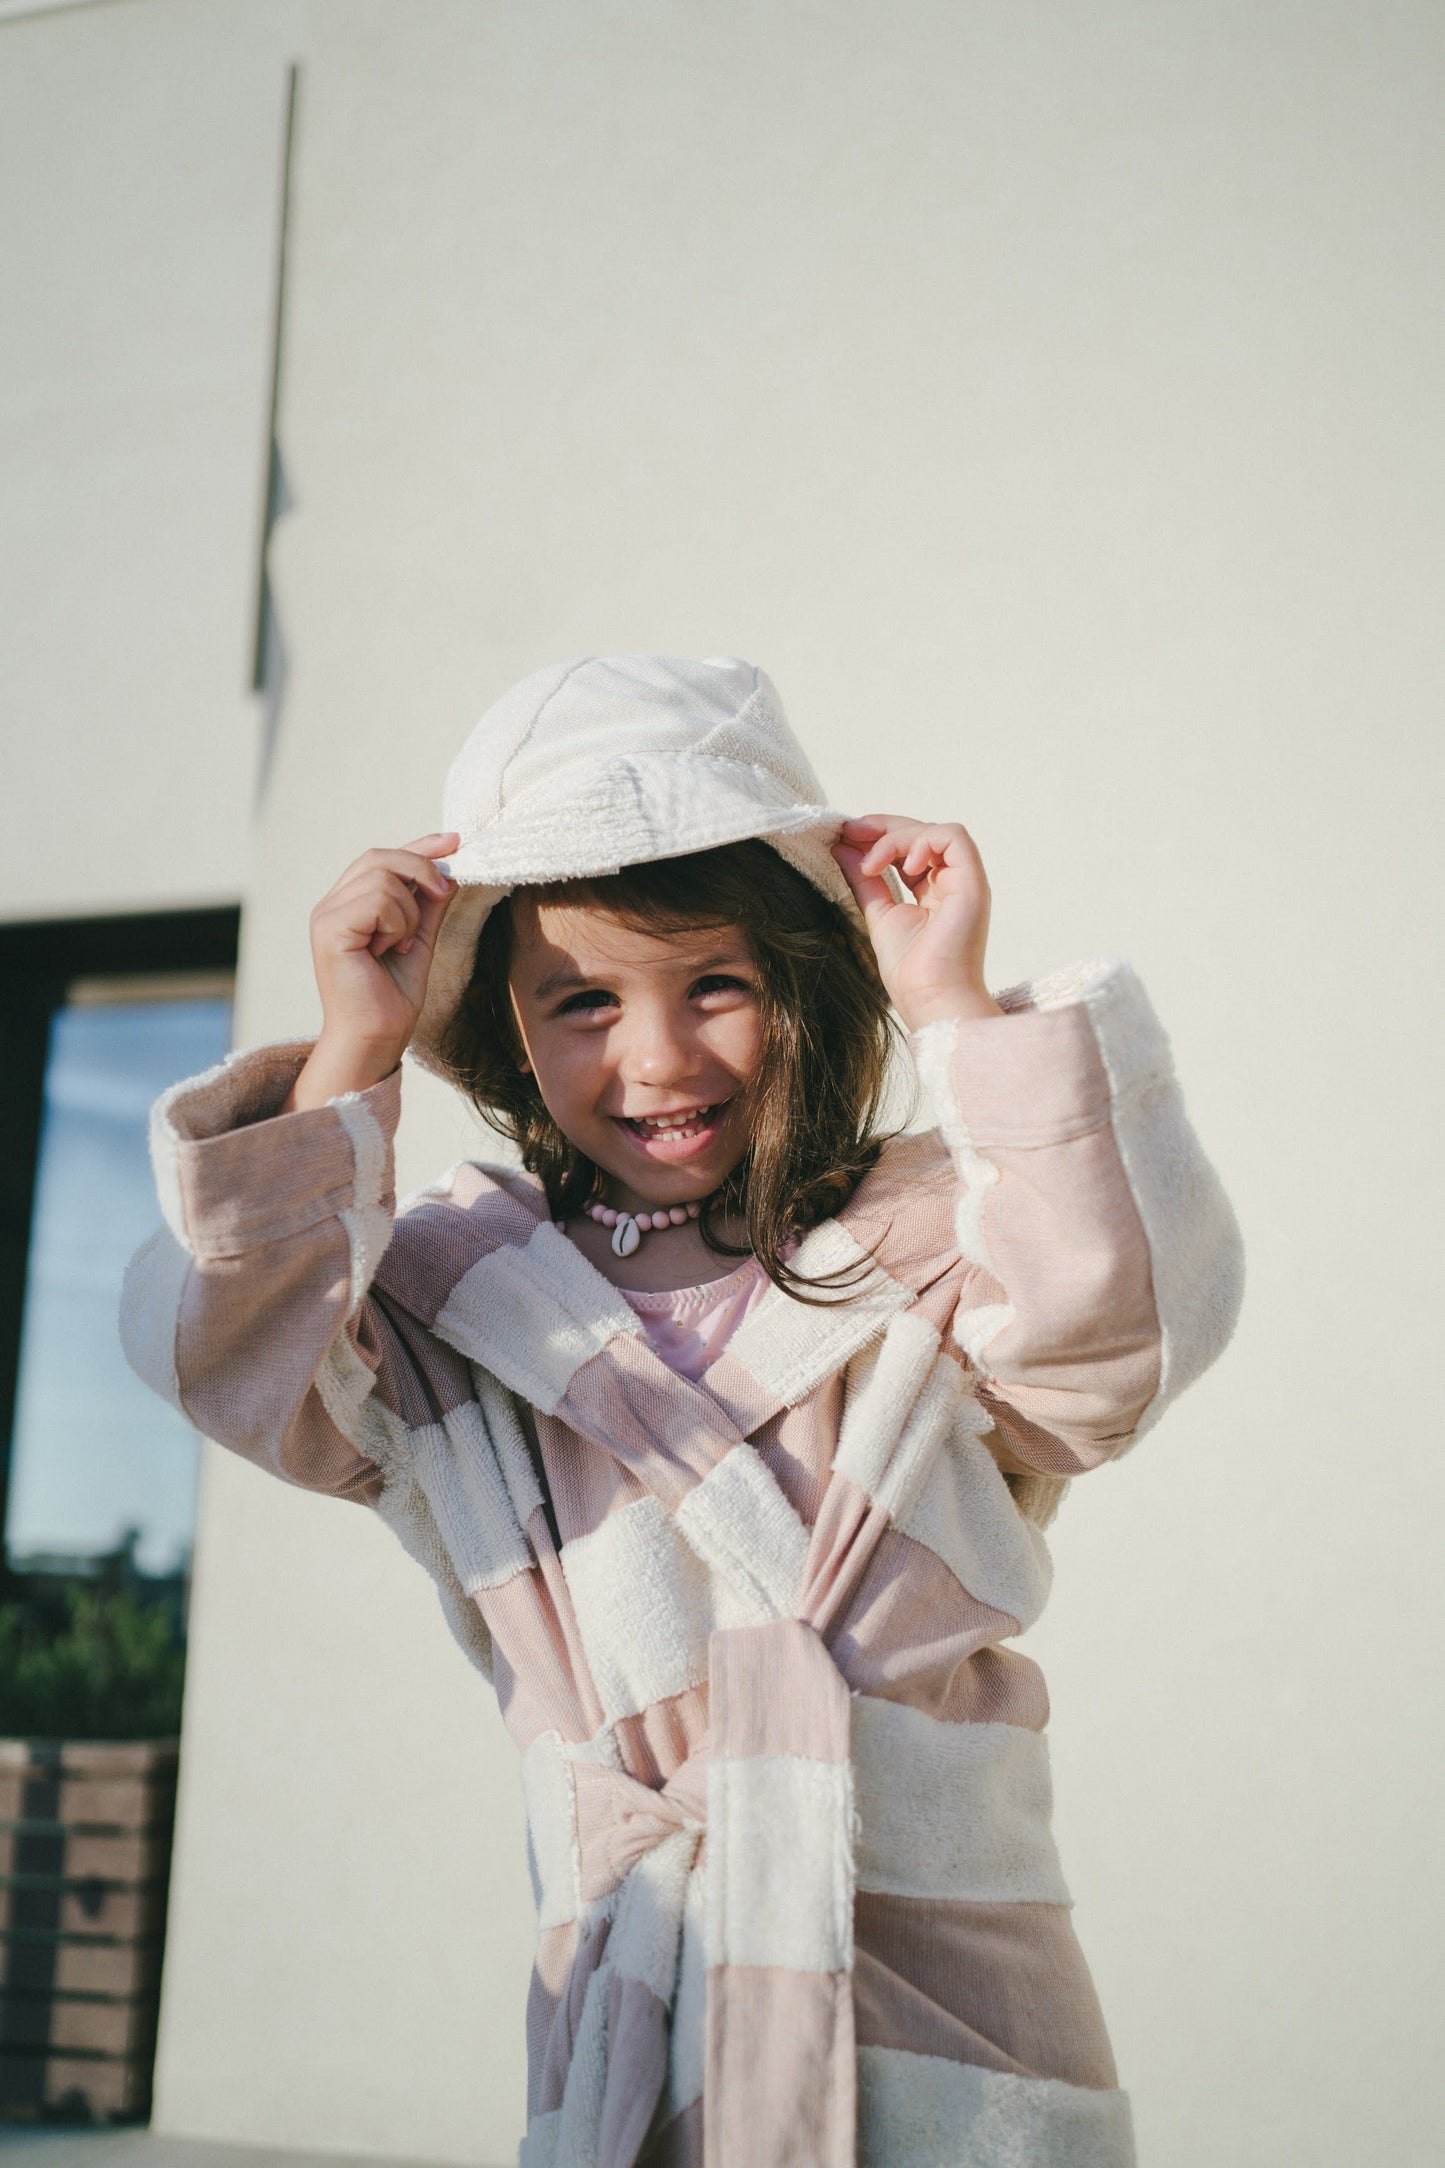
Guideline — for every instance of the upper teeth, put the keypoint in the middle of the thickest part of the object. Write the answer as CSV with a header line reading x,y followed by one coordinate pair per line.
x,y
672,1121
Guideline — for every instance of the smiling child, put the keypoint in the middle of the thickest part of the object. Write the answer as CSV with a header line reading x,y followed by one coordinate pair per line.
x,y
728,1423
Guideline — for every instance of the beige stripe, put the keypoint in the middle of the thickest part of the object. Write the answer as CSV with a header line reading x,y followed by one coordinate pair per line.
x,y
513,1458
920,2108
791,1346
934,1050
738,1520
884,1384
403,1507
344,1384
645,1605
366,1220
457,1468
533,1316
1195,1254
647,1925
774,1903
965,1512
952,1810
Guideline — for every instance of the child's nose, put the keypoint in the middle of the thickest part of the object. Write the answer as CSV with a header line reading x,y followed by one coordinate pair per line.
x,y
661,1050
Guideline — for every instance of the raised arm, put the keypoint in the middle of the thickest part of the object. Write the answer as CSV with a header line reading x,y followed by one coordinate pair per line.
x,y
1102,1263
248,1310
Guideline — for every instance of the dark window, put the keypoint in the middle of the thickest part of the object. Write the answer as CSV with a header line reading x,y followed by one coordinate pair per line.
x,y
96,1018
98,1464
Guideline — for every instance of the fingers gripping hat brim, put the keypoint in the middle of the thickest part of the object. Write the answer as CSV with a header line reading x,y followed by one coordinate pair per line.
x,y
588,767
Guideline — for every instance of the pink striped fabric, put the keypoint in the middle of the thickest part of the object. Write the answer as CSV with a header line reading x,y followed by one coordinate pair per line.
x,y
787,1787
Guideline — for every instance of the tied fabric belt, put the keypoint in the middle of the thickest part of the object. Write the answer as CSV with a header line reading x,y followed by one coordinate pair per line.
x,y
769,1807
772,1802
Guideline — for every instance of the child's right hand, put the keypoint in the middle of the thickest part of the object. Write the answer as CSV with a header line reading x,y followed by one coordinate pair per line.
x,y
372,939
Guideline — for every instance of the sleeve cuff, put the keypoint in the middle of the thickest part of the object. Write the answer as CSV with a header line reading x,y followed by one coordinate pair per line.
x,y
1052,1067
233,1172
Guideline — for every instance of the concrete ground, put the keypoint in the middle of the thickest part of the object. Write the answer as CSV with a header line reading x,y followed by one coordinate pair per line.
x,y
55,2148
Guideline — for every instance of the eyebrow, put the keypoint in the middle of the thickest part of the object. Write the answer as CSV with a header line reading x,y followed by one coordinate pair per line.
x,y
564,982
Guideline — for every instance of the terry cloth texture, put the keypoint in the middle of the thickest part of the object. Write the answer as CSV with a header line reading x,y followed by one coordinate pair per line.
x,y
612,761
787,1784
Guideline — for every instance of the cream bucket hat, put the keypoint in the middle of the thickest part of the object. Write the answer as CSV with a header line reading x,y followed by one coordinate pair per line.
x,y
589,766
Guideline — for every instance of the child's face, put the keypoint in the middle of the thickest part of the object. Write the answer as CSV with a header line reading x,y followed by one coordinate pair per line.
x,y
626,1032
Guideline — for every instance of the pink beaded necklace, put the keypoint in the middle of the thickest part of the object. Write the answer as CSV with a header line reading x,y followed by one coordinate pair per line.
x,y
628,1228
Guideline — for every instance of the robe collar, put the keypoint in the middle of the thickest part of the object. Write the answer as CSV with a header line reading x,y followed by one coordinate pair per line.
x,y
535,1312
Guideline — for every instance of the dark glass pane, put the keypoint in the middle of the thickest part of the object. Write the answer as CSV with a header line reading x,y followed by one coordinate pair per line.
x,y
95,1452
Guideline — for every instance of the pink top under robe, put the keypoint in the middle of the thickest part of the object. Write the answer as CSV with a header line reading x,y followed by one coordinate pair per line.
x,y
690,1326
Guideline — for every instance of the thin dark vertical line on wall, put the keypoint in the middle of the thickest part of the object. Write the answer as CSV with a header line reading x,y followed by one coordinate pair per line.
x,y
266,655
278,321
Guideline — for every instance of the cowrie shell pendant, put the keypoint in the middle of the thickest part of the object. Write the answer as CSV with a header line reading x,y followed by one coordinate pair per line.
x,y
625,1237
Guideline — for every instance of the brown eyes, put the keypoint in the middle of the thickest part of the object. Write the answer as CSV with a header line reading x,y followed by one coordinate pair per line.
x,y
595,998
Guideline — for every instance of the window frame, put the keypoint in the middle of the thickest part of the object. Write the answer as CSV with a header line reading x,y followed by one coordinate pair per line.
x,y
40,959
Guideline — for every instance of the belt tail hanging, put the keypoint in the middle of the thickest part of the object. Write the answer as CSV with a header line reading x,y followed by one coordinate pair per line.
x,y
781,2088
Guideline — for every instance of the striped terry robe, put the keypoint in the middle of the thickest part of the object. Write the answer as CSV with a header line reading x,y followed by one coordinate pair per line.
x,y
787,1785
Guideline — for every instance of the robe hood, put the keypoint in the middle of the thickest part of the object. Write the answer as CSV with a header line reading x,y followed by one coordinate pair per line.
x,y
610,761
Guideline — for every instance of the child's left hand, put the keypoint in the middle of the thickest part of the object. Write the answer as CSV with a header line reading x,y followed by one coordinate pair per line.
x,y
930,951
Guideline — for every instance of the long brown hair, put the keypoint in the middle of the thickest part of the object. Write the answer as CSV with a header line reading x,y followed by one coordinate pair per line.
x,y
816,1094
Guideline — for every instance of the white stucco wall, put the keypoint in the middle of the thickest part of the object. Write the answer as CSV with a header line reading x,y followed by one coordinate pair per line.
x,y
140,163
1048,398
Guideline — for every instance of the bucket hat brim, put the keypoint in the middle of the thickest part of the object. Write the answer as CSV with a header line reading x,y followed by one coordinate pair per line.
x,y
593,818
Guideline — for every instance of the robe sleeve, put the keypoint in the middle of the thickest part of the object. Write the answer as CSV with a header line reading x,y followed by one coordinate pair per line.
x,y
248,1308
1102,1264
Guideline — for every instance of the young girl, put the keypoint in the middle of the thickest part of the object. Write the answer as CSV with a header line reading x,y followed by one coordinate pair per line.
x,y
727,1426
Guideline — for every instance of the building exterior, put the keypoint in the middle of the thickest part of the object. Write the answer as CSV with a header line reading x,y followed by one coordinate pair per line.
x,y
1048,398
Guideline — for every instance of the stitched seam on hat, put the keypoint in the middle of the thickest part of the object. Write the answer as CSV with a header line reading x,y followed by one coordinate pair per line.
x,y
580,664
736,721
639,802
540,798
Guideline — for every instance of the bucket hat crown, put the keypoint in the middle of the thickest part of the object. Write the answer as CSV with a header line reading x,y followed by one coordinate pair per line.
x,y
610,761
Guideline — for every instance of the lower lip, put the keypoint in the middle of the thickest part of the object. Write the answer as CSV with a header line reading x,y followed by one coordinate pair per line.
x,y
668,1147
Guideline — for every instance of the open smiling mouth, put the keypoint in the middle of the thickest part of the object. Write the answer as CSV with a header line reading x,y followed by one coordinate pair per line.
x,y
674,1129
